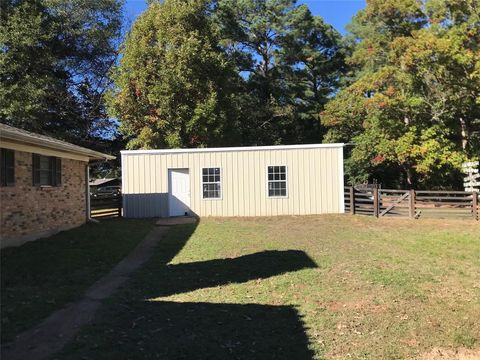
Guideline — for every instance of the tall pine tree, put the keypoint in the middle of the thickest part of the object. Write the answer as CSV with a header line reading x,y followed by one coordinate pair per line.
x,y
291,62
54,59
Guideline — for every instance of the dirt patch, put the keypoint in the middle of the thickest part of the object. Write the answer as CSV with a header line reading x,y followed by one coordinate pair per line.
x,y
448,354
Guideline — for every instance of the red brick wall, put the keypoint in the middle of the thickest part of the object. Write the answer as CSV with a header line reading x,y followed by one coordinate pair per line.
x,y
28,211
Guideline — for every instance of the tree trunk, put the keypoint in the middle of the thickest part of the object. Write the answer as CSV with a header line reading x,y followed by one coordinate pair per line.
x,y
409,176
465,133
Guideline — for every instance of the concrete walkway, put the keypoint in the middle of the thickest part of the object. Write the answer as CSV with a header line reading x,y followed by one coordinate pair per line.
x,y
59,328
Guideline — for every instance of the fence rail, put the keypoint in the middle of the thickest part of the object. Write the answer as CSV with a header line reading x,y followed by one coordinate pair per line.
x,y
106,207
412,203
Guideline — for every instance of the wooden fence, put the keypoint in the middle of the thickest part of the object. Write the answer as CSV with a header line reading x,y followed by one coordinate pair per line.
x,y
412,203
106,207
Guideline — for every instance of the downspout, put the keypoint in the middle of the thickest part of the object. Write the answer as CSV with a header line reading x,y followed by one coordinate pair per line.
x,y
87,194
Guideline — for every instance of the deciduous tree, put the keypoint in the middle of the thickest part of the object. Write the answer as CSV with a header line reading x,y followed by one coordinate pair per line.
x,y
174,85
412,109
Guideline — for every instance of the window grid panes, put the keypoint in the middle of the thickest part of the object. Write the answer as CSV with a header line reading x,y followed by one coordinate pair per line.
x,y
277,181
211,183
45,170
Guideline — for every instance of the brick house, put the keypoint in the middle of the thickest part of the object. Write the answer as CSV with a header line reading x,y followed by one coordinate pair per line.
x,y
43,185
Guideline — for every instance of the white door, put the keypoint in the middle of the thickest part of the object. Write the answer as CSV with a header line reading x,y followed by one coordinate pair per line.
x,y
178,192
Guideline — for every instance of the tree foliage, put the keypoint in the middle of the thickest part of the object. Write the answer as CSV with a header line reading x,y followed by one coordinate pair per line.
x,y
291,62
174,85
54,60
412,109
203,73
403,87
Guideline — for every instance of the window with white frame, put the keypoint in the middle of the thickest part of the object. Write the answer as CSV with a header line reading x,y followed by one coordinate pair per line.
x,y
277,181
211,183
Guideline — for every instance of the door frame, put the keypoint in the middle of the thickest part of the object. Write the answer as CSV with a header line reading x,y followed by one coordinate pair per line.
x,y
169,183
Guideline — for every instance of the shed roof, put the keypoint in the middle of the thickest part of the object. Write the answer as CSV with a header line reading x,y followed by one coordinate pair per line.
x,y
227,149
12,133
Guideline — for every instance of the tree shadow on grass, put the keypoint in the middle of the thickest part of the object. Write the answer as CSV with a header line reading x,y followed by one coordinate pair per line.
x,y
140,325
173,330
166,279
179,278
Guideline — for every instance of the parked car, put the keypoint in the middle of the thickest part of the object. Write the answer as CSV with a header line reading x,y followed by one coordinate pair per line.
x,y
107,191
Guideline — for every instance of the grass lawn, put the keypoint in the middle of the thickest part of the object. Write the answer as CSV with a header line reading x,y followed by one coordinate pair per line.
x,y
296,288
40,277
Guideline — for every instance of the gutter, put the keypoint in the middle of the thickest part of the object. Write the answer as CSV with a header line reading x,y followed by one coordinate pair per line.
x,y
231,149
54,144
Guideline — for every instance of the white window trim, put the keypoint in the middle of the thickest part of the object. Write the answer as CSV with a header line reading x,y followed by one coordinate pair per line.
x,y
286,183
220,182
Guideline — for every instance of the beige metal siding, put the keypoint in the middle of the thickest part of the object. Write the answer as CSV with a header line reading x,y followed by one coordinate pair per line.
x,y
314,181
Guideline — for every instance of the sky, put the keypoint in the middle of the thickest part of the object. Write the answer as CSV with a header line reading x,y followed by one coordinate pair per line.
x,y
335,12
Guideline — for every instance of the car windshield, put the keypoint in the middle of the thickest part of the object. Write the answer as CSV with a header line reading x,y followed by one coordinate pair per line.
x,y
109,189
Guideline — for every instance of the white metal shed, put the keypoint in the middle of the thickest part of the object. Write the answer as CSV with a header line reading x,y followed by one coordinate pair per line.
x,y
235,181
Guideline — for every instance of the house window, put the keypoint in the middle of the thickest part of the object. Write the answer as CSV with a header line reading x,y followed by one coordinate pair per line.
x,y
47,170
7,167
211,183
277,181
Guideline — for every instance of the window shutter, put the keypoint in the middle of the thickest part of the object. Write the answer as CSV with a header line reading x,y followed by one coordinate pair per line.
x,y
36,169
3,168
58,171
10,167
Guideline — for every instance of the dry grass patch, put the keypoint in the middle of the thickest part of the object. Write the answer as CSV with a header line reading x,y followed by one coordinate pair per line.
x,y
447,354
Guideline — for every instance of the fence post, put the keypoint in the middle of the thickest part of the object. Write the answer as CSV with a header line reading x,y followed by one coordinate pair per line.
x,y
375,202
120,206
475,205
411,204
352,200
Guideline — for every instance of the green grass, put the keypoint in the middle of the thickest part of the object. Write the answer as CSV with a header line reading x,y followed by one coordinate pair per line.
x,y
296,288
40,277
463,337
